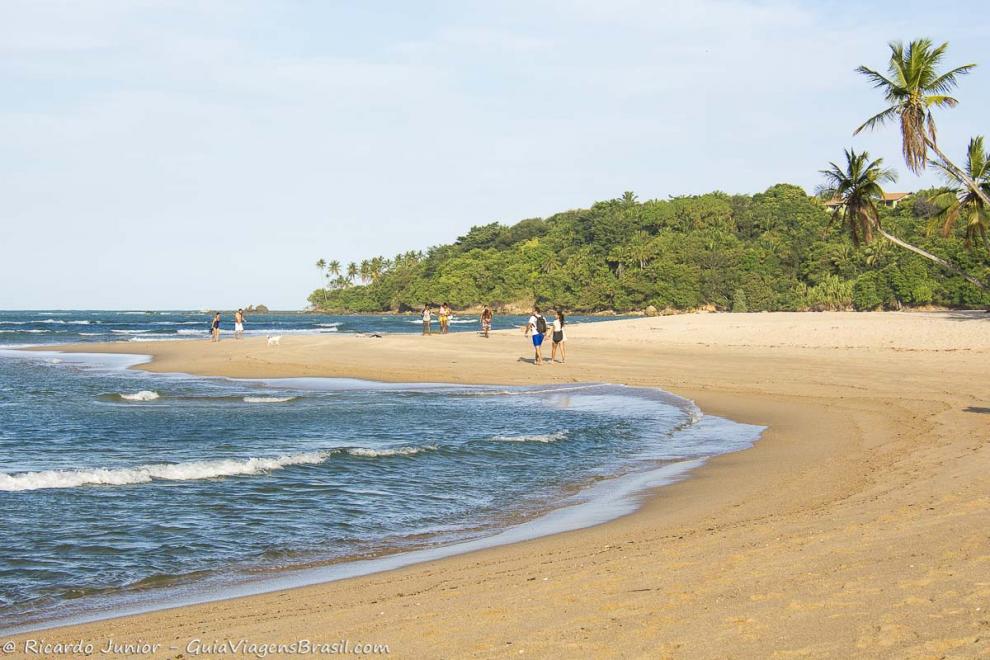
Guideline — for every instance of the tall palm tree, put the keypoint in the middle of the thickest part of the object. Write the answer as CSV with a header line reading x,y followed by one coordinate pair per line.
x,y
352,271
959,201
322,266
334,267
857,188
913,88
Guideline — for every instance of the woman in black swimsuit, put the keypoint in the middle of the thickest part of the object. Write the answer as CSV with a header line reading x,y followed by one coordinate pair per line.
x,y
215,330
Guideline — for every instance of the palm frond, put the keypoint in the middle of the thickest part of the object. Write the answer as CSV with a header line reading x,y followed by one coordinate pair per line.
x,y
878,119
949,80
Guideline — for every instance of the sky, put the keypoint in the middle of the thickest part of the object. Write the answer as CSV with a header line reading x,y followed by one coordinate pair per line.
x,y
195,155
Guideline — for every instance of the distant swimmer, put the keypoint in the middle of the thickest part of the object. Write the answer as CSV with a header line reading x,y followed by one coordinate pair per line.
x,y
239,324
215,328
486,321
427,320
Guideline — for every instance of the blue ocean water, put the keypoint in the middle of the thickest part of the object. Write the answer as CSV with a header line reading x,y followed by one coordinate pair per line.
x,y
118,486
61,326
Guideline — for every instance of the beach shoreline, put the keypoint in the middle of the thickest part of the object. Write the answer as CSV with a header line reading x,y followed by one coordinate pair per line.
x,y
788,545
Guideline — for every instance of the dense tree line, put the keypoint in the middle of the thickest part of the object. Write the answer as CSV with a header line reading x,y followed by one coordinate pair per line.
x,y
776,250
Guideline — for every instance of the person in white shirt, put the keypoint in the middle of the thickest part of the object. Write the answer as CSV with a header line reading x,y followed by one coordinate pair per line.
x,y
239,324
427,320
537,326
558,337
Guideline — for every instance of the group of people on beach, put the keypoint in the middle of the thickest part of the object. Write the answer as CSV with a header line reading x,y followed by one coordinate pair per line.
x,y
238,326
443,315
537,328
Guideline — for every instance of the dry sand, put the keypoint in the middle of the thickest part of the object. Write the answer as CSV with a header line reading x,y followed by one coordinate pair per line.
x,y
858,526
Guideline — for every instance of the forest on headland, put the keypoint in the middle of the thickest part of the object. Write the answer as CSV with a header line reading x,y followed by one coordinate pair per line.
x,y
851,246
772,251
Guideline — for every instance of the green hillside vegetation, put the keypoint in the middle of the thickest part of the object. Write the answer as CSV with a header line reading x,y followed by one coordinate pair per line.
x,y
776,250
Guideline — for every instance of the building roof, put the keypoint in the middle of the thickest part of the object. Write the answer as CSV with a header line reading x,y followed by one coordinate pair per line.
x,y
887,197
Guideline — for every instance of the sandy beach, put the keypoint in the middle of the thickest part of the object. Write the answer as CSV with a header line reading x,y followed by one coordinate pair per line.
x,y
858,524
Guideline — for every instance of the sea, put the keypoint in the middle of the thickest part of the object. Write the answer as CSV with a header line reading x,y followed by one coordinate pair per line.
x,y
123,491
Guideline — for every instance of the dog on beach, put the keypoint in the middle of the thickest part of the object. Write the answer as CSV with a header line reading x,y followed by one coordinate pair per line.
x,y
274,340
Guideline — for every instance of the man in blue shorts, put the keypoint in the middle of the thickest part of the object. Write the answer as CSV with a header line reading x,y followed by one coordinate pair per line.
x,y
538,327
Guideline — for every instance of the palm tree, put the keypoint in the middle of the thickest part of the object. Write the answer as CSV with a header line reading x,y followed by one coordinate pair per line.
x,y
857,188
913,87
322,265
352,271
958,201
334,268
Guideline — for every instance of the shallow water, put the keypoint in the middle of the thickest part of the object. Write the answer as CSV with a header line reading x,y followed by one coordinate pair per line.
x,y
116,485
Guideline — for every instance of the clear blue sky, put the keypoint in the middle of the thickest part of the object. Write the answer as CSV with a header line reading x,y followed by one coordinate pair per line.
x,y
206,154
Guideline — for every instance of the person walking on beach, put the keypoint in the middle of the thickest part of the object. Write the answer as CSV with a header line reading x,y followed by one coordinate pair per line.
x,y
537,326
444,318
427,320
215,328
486,321
239,324
558,337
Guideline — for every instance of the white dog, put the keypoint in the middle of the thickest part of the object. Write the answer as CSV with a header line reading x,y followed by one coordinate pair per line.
x,y
274,340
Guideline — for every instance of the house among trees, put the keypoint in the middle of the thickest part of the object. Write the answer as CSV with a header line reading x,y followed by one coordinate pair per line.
x,y
890,200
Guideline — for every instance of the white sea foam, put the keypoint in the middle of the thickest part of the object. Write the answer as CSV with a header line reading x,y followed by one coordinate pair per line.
x,y
156,338
397,451
59,321
328,325
14,322
184,331
90,334
143,395
194,470
546,437
268,399
129,332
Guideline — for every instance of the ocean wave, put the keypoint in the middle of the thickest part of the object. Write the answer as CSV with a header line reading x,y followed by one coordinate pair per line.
x,y
268,399
90,334
58,321
191,471
366,452
14,322
130,332
545,437
184,331
328,325
156,338
143,395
